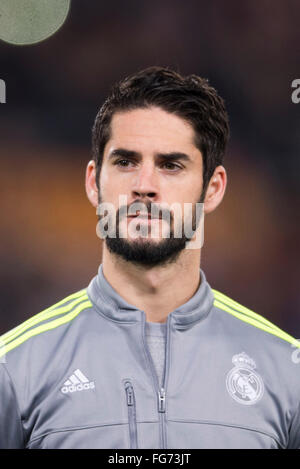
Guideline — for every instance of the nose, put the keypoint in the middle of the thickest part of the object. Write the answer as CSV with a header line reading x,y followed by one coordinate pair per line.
x,y
145,184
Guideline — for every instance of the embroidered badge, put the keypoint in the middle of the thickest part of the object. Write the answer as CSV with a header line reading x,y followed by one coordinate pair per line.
x,y
243,383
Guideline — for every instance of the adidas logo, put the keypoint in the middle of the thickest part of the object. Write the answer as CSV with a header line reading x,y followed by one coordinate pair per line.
x,y
77,382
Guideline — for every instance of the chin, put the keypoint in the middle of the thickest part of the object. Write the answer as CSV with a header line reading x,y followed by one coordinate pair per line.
x,y
148,238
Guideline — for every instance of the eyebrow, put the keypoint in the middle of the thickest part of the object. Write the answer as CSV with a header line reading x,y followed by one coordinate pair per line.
x,y
174,155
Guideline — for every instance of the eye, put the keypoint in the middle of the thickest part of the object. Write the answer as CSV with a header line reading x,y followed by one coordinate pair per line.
x,y
171,166
123,163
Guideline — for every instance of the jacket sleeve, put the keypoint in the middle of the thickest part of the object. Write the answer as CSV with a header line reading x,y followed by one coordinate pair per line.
x,y
294,439
11,430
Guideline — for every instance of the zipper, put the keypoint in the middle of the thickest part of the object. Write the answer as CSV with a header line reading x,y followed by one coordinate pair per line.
x,y
161,400
161,391
130,399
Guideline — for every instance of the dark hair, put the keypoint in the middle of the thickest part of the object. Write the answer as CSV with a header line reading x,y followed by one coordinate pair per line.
x,y
191,98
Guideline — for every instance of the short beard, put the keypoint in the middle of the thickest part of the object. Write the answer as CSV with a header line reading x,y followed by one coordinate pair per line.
x,y
144,253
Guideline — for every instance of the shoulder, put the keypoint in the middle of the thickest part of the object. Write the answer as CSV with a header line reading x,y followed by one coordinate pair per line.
x,y
251,322
37,328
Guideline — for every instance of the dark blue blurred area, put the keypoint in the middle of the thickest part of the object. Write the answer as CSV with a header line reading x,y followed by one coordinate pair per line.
x,y
250,51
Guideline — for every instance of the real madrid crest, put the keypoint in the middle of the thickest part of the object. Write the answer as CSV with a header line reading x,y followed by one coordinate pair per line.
x,y
242,382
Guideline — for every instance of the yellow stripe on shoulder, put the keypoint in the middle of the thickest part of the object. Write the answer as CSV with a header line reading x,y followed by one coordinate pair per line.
x,y
52,311
242,309
258,324
45,327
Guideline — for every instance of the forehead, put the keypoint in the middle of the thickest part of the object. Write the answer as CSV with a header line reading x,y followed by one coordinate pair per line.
x,y
151,127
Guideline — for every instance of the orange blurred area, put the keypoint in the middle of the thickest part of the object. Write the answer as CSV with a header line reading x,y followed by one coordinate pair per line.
x,y
45,210
48,232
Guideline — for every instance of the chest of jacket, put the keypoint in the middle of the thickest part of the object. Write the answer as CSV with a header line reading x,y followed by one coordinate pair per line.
x,y
107,395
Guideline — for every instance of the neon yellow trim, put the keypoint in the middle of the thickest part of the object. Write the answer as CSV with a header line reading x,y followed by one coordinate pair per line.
x,y
45,327
278,332
46,315
234,304
38,317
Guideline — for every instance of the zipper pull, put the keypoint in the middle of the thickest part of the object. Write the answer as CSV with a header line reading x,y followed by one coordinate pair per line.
x,y
161,400
129,393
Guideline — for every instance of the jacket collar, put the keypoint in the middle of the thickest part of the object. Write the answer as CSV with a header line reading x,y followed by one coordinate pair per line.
x,y
109,303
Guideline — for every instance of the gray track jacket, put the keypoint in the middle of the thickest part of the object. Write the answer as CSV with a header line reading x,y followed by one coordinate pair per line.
x,y
80,375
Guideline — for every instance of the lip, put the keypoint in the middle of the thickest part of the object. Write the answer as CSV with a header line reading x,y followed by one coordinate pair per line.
x,y
144,217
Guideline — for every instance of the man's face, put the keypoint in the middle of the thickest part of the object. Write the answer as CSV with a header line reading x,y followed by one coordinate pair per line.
x,y
151,158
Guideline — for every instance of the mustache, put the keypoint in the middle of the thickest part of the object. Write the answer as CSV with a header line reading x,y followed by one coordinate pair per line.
x,y
147,209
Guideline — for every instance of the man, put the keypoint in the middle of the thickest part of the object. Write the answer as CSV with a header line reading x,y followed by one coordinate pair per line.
x,y
149,356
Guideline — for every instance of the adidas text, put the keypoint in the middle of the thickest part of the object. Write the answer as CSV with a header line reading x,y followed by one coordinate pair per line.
x,y
78,387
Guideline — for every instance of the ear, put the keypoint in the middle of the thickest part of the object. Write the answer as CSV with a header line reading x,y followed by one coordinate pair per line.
x,y
215,190
90,183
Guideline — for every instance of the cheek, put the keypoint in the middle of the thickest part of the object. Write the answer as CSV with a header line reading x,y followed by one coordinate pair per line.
x,y
105,186
193,189
112,186
184,193
185,188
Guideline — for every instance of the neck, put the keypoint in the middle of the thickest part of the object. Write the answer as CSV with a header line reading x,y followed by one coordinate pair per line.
x,y
157,290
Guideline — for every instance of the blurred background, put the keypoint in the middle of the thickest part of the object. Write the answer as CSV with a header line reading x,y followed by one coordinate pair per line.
x,y
250,51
